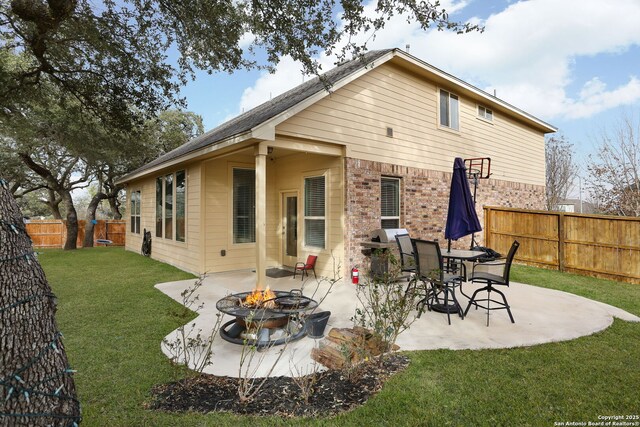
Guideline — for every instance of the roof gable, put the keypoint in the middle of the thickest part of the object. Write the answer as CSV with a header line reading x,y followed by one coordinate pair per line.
x,y
274,111
266,111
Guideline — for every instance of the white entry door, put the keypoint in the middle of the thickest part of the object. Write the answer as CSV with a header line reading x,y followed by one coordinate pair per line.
x,y
290,229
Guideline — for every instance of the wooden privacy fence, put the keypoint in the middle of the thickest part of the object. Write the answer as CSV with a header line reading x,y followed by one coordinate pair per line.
x,y
592,245
52,233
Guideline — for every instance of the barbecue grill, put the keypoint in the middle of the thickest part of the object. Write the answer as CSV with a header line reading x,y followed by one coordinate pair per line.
x,y
382,239
387,235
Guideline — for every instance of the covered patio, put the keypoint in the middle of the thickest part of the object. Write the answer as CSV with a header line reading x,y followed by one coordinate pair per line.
x,y
541,315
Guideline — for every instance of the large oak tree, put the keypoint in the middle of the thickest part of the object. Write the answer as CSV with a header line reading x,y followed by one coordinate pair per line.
x,y
36,386
112,58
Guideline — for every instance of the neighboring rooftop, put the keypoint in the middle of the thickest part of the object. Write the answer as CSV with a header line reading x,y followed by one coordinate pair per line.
x,y
576,206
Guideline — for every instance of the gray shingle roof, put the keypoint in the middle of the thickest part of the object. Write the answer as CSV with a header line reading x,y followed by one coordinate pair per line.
x,y
263,112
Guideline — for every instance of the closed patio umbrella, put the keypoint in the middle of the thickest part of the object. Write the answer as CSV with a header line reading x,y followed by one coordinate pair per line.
x,y
462,218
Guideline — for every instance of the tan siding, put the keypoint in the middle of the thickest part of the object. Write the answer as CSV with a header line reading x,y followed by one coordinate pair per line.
x,y
184,255
358,114
291,171
283,174
218,225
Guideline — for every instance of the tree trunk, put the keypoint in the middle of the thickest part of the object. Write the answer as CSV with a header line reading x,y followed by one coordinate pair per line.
x,y
36,386
91,215
54,204
72,221
115,208
55,211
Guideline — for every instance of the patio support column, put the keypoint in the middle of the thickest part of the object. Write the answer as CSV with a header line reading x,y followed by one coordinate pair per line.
x,y
261,215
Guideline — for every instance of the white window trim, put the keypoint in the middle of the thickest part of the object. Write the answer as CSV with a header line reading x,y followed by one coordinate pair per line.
x,y
173,198
483,117
282,214
391,178
230,167
132,215
326,209
440,125
155,208
186,204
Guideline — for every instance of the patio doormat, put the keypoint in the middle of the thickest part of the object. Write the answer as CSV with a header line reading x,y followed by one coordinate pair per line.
x,y
277,273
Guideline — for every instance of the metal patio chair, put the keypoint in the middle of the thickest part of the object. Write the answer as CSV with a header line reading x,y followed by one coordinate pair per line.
x,y
405,247
485,273
430,268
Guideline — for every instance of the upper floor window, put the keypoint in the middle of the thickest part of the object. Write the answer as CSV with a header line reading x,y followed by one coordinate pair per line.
x,y
314,211
244,205
449,114
390,202
485,113
171,206
135,212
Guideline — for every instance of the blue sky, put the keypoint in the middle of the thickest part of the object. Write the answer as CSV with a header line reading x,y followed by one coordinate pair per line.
x,y
573,63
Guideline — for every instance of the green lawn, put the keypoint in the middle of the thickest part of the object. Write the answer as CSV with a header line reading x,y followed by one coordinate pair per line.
x,y
113,321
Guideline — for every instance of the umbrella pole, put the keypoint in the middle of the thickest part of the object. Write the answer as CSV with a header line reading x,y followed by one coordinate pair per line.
x,y
475,188
448,259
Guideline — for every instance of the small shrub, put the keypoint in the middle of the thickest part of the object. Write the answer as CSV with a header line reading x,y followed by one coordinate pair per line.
x,y
387,303
252,357
305,379
191,351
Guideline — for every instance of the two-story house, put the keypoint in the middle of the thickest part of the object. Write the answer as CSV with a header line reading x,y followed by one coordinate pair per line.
x,y
314,171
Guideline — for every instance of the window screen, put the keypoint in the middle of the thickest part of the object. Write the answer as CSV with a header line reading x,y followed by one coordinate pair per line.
x,y
181,187
159,185
485,113
314,211
135,212
244,206
449,114
168,207
390,202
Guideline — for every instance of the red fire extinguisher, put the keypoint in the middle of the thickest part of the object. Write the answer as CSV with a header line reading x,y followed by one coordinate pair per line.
x,y
355,276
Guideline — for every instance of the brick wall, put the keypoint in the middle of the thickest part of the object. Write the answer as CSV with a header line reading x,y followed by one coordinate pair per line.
x,y
424,201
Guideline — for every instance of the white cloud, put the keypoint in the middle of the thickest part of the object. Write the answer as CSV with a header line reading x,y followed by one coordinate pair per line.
x,y
269,85
246,39
527,53
594,98
593,87
288,75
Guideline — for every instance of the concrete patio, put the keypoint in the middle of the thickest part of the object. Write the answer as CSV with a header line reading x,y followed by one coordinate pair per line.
x,y
541,316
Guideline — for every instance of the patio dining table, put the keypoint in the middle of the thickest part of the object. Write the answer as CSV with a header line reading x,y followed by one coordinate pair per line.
x,y
461,255
457,256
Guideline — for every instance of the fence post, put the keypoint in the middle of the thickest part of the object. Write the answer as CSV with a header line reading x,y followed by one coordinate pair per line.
x,y
487,230
63,232
560,241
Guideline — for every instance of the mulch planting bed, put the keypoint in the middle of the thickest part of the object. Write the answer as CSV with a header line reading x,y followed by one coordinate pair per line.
x,y
334,391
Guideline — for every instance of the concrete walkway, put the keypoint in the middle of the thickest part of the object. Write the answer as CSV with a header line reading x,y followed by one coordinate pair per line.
x,y
541,316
